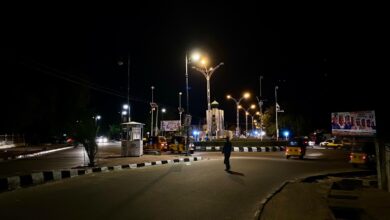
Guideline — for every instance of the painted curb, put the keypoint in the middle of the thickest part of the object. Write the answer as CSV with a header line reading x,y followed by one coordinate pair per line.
x,y
242,149
15,182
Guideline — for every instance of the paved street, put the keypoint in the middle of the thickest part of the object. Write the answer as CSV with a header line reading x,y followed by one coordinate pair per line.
x,y
195,190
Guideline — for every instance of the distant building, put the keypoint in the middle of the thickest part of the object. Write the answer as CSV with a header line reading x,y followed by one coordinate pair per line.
x,y
215,121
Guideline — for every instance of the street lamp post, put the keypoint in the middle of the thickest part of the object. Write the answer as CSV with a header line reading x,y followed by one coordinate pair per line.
x,y
253,118
180,108
277,109
126,108
260,102
207,73
246,117
163,110
194,57
245,96
276,112
152,109
97,117
120,63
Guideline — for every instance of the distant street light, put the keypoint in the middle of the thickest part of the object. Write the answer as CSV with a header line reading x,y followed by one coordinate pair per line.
x,y
286,134
163,110
253,119
181,110
126,108
207,73
97,117
245,96
246,117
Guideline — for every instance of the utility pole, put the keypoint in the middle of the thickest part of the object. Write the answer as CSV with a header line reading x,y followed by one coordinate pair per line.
x,y
260,102
276,112
152,109
128,86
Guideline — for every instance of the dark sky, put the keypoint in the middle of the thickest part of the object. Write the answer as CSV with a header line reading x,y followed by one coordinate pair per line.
x,y
322,62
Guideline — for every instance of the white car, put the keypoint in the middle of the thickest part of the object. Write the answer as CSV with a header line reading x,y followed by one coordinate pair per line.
x,y
101,139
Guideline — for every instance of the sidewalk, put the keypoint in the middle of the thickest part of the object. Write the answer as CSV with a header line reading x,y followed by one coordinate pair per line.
x,y
330,198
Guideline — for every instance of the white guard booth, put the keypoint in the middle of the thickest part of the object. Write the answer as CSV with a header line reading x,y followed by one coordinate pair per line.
x,y
132,139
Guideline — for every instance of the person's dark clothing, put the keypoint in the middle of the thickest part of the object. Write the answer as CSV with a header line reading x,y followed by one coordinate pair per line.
x,y
226,150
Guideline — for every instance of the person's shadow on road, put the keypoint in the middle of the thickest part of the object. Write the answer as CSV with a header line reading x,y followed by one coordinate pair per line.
x,y
235,173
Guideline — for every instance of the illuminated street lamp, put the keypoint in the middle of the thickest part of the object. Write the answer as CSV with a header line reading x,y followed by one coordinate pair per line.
x,y
286,134
126,108
97,117
253,118
207,73
163,110
245,96
246,116
181,110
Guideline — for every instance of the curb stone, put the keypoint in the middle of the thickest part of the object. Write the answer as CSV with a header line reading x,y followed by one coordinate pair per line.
x,y
242,149
15,182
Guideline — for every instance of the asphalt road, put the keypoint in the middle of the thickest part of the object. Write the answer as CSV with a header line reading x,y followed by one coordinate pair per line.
x,y
197,190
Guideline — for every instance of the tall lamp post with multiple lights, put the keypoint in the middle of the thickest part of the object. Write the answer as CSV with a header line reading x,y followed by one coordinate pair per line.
x,y
207,73
246,116
245,96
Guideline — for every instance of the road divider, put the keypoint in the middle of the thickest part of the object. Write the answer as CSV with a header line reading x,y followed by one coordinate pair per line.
x,y
15,182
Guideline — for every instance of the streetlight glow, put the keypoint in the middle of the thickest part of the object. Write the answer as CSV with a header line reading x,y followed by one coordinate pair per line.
x,y
195,57
207,73
245,96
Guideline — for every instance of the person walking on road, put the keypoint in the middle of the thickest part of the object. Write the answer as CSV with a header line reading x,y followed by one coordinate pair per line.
x,y
226,150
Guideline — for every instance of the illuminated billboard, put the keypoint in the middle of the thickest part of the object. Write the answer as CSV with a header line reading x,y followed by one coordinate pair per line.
x,y
172,125
361,123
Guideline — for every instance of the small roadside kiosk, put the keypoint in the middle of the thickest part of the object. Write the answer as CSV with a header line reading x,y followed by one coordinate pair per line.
x,y
132,139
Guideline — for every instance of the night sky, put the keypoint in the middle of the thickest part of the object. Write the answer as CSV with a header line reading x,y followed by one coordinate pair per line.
x,y
322,62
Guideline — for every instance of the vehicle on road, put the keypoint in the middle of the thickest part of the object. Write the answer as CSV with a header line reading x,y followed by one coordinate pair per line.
x,y
363,155
332,143
296,148
178,144
157,143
